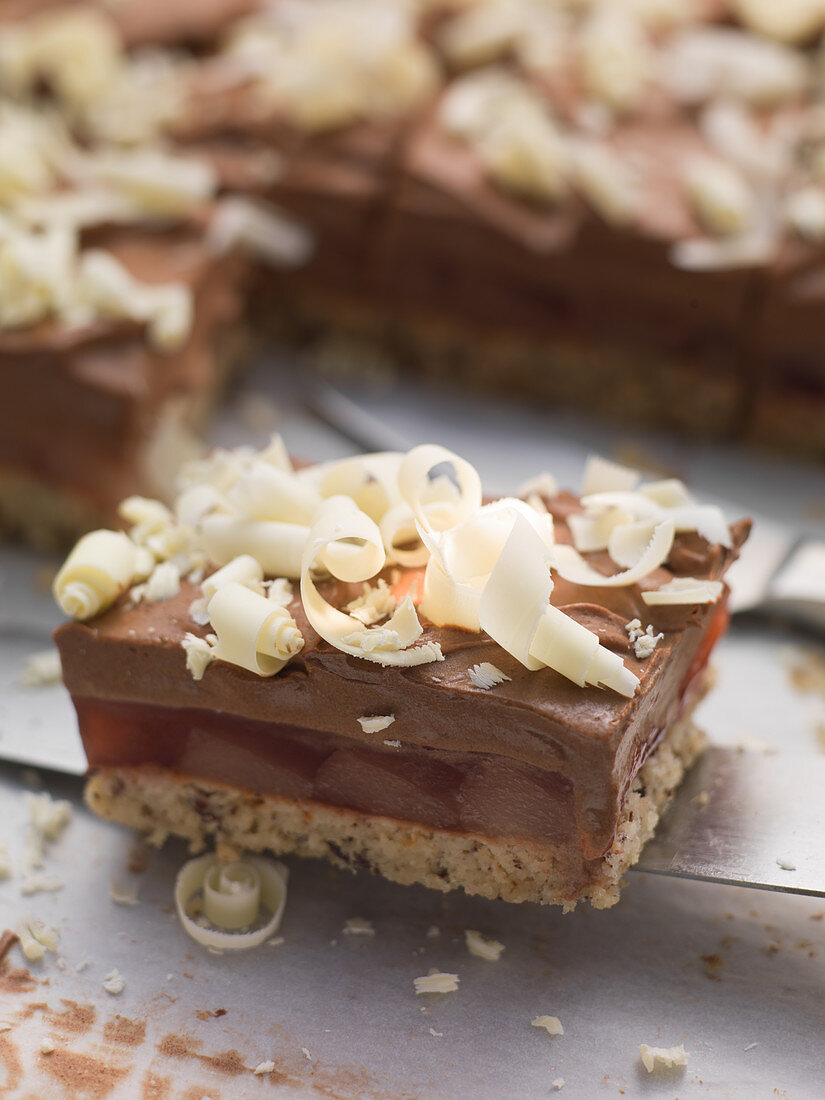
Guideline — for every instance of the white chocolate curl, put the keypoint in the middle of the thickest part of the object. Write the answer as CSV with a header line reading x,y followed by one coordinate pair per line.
x,y
347,543
685,590
232,897
101,566
242,570
516,612
277,546
253,632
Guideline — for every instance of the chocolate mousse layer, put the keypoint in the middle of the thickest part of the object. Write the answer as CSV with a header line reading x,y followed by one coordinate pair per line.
x,y
451,746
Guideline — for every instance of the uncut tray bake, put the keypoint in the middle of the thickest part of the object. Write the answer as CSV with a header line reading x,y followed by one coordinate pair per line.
x,y
366,662
616,205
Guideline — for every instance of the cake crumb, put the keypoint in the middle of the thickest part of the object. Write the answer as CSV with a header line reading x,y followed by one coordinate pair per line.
x,y
750,1046
393,744
551,1024
47,1047
558,1084
81,966
276,941
486,675
114,982
376,723
785,864
436,982
357,926
41,669
306,1054
666,1057
436,1034
263,1068
483,948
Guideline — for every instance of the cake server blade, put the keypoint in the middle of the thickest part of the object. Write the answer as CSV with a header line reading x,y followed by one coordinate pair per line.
x,y
746,819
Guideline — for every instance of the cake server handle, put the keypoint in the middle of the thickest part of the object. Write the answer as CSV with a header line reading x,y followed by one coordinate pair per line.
x,y
746,819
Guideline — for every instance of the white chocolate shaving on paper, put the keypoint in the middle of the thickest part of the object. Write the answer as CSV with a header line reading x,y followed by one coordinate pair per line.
x,y
48,816
376,723
358,926
481,947
114,982
41,669
685,590
36,938
551,1024
666,1057
486,675
436,982
219,904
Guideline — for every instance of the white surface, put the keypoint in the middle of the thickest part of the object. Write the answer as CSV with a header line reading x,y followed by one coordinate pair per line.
x,y
616,979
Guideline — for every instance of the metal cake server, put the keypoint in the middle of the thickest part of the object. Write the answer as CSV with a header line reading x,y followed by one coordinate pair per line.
x,y
746,819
